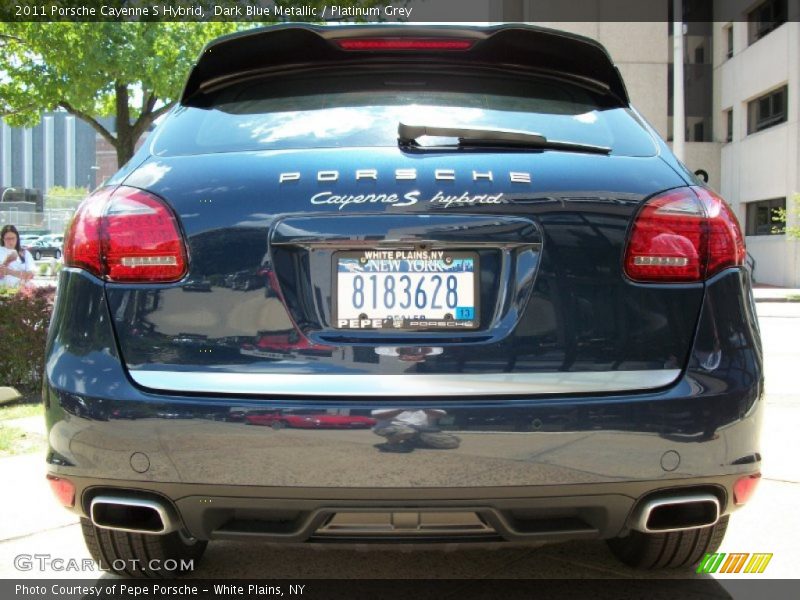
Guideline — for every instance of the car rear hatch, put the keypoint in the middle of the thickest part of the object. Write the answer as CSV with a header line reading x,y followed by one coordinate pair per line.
x,y
486,259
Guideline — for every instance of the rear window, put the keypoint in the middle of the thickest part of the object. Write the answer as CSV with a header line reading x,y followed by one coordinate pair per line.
x,y
334,110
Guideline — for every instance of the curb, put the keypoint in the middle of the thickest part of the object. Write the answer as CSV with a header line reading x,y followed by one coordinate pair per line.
x,y
784,300
8,394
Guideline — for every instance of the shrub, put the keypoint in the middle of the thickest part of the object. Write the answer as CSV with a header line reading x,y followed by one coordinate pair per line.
x,y
61,197
779,217
24,319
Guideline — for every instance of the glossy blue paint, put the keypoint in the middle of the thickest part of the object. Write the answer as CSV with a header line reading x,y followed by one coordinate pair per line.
x,y
718,395
561,303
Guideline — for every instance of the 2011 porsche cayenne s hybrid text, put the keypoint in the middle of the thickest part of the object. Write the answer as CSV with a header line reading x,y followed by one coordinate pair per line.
x,y
466,234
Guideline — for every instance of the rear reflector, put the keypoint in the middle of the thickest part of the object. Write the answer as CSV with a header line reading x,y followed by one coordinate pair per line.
x,y
404,44
684,235
744,488
128,235
64,490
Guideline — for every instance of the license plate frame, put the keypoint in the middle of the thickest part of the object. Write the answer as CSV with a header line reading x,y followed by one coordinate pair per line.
x,y
468,321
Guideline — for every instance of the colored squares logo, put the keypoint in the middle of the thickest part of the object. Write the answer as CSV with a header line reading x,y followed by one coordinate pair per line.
x,y
734,562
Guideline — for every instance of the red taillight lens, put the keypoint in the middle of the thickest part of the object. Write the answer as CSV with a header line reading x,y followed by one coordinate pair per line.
x,y
684,235
128,235
82,244
143,242
64,490
404,44
744,488
725,240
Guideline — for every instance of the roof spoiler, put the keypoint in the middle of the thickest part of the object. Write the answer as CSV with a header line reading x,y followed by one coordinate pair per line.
x,y
265,49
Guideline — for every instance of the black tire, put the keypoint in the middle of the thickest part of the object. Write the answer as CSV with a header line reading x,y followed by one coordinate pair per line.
x,y
58,253
141,555
277,425
668,550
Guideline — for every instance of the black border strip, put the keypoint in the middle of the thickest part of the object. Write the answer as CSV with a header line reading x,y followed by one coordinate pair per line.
x,y
428,11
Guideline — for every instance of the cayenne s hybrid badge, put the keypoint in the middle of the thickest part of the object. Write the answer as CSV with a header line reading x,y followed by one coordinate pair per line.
x,y
440,198
407,199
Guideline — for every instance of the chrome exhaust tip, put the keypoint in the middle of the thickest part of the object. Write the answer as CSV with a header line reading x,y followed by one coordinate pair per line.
x,y
135,515
676,513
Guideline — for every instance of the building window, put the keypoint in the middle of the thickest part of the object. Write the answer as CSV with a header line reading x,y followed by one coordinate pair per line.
x,y
729,41
767,111
729,125
764,18
699,55
764,217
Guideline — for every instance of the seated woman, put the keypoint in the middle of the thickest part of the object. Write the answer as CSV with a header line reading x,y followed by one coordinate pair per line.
x,y
16,264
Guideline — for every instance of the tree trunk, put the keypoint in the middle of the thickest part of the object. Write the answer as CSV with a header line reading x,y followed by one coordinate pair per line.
x,y
126,143
125,146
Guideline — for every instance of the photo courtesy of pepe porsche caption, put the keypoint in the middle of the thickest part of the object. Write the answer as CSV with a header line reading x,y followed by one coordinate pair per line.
x,y
404,284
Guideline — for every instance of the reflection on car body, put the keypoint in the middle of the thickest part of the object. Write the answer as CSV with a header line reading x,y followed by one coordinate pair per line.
x,y
308,420
283,344
197,285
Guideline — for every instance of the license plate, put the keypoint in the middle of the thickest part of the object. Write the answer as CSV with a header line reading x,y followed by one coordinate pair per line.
x,y
406,289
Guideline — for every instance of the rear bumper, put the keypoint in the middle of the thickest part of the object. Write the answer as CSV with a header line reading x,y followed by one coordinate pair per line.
x,y
579,462
526,514
230,480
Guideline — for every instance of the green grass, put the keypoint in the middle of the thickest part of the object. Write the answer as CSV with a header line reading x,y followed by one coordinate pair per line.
x,y
18,411
16,441
8,435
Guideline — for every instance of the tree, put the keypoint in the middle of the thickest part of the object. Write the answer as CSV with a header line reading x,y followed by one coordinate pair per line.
x,y
780,217
133,71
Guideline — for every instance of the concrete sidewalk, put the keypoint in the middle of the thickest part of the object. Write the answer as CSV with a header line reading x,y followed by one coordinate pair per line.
x,y
776,294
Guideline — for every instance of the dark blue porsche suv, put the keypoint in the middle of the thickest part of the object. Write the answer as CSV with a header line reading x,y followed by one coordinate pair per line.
x,y
403,284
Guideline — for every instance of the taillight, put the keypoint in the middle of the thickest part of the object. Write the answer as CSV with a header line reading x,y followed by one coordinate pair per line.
x,y
63,489
126,234
404,44
684,235
82,244
725,240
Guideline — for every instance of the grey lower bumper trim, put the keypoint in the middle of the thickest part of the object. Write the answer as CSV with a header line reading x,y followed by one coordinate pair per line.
x,y
464,384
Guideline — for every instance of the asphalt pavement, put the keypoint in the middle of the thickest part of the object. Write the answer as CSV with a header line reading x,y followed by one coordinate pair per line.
x,y
32,522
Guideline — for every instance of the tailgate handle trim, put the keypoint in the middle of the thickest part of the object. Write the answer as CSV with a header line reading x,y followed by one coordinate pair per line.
x,y
459,385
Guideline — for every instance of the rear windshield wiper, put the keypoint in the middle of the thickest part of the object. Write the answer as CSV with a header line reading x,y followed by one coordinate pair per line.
x,y
488,138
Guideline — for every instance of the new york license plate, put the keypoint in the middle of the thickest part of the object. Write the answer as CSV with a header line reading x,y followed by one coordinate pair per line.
x,y
406,289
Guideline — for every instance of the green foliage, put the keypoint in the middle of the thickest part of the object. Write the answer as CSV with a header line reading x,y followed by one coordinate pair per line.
x,y
16,441
59,191
20,411
50,65
780,216
24,318
62,197
131,70
9,437
50,268
60,202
